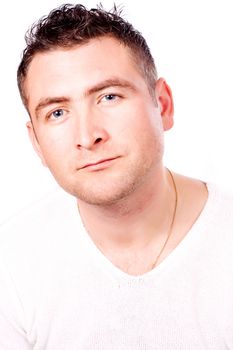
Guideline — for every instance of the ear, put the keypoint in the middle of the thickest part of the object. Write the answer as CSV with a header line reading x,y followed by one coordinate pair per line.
x,y
34,141
165,103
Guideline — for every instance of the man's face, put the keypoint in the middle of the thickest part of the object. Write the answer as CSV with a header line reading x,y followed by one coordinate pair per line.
x,y
95,124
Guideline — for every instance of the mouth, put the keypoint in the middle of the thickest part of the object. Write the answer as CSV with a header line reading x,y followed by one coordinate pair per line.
x,y
100,164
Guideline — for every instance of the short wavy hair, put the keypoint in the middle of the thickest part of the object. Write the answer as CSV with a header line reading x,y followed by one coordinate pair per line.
x,y
70,25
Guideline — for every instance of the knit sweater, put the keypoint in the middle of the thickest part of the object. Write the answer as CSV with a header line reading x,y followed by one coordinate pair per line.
x,y
59,292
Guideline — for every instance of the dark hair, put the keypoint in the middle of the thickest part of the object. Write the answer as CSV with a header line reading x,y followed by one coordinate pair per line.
x,y
69,25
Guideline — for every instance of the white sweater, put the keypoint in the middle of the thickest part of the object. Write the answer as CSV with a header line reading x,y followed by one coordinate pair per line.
x,y
58,292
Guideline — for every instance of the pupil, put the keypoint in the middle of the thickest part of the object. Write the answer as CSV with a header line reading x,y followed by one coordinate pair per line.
x,y
58,113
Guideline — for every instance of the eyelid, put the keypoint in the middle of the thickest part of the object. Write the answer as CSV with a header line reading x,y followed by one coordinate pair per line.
x,y
49,115
115,94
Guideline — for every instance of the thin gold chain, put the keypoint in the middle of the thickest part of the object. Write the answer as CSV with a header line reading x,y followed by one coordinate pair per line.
x,y
172,222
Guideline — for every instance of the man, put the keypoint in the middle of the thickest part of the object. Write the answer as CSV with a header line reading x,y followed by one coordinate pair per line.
x,y
142,257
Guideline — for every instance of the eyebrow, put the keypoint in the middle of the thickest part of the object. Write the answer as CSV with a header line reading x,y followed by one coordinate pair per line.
x,y
45,102
113,82
110,83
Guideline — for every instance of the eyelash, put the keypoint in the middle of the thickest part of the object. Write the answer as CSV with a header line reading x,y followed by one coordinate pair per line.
x,y
113,98
51,114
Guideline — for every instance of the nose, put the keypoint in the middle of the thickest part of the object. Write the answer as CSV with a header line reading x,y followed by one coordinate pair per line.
x,y
90,131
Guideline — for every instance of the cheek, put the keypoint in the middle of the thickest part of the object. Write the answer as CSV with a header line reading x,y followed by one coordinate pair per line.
x,y
55,147
149,135
145,124
143,142
127,120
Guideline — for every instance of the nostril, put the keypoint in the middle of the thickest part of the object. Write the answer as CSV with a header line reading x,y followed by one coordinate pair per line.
x,y
98,140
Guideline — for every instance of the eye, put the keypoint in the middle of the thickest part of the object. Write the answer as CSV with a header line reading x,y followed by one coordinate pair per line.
x,y
57,114
109,98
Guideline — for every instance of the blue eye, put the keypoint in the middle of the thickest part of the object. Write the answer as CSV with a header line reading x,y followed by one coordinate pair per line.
x,y
58,113
110,97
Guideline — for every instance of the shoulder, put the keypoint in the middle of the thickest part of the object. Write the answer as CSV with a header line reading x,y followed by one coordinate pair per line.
x,y
42,240
43,218
220,205
216,225
211,206
206,200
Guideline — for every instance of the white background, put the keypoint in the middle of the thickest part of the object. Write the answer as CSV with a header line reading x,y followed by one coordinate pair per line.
x,y
192,45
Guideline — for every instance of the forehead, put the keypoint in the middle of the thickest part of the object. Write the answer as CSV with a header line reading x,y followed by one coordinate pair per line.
x,y
62,70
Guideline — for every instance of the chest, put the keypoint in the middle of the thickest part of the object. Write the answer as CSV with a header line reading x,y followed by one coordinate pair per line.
x,y
99,314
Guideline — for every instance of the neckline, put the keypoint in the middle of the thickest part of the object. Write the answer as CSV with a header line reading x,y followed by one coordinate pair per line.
x,y
191,236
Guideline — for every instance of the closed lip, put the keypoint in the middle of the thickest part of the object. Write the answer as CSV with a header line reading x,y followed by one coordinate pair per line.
x,y
97,162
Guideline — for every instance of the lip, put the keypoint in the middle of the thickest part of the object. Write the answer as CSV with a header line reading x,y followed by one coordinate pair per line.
x,y
100,164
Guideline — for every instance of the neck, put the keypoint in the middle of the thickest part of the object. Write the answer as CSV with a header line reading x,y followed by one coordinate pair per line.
x,y
135,221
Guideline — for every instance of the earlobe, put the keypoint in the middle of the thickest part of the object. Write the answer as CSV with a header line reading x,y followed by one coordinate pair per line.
x,y
34,141
165,103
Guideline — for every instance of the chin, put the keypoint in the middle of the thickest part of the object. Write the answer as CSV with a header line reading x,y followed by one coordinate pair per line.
x,y
106,198
110,189
104,194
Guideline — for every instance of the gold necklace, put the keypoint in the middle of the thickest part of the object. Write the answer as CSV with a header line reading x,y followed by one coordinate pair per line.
x,y
172,222
171,225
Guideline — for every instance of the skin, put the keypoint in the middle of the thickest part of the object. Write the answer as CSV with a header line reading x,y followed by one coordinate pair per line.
x,y
95,125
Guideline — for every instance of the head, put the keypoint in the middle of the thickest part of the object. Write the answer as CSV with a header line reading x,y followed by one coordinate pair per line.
x,y
71,25
97,110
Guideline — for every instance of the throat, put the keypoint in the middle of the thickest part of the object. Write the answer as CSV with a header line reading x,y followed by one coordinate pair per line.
x,y
137,262
137,241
